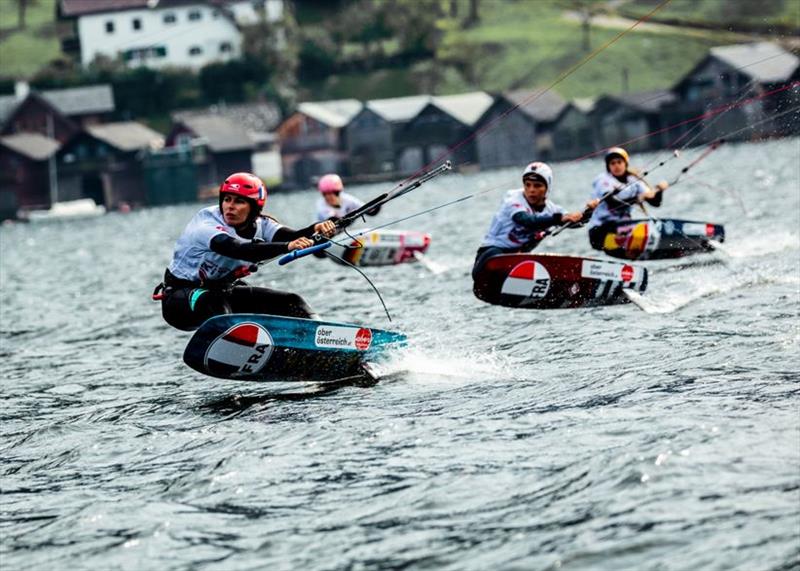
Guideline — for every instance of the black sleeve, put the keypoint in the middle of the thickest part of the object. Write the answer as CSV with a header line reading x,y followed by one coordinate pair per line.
x,y
616,204
285,234
536,221
656,200
248,251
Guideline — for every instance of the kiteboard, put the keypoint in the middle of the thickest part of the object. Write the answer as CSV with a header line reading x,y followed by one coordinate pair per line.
x,y
257,347
382,247
552,281
661,239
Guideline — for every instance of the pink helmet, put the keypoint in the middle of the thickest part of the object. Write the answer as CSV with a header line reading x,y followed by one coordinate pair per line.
x,y
330,183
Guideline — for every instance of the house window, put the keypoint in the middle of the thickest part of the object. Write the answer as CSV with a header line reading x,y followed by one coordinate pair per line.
x,y
225,47
184,140
144,53
169,18
195,51
109,27
195,15
137,24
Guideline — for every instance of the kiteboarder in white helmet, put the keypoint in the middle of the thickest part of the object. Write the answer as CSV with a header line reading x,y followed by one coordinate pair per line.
x,y
524,215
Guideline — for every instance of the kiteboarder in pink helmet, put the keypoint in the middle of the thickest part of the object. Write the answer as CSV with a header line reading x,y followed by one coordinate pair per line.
x,y
220,245
334,202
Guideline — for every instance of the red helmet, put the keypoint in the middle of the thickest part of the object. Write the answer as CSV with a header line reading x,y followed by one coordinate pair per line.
x,y
245,185
330,183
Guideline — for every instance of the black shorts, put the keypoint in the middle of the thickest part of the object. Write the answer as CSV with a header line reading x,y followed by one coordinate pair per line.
x,y
186,308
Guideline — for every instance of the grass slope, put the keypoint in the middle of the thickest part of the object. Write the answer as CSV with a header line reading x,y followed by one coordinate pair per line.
x,y
761,14
23,52
526,44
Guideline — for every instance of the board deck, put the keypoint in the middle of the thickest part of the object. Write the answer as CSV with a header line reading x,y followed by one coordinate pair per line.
x,y
383,247
552,281
661,239
254,347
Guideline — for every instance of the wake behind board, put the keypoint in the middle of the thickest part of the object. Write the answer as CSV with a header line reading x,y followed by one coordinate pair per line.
x,y
255,347
552,281
383,247
661,239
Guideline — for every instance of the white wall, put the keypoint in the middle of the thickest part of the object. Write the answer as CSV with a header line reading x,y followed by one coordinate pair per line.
x,y
207,34
267,165
245,13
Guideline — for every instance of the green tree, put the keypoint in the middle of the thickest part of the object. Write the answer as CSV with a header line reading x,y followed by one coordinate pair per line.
x,y
415,24
22,7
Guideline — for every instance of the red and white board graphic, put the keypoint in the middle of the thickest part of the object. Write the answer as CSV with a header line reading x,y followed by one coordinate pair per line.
x,y
601,270
336,337
527,279
243,349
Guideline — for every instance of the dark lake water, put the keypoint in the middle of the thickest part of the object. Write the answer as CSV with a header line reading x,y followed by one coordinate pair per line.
x,y
607,438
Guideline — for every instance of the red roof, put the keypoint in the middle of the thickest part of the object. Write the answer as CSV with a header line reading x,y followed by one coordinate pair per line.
x,y
71,8
83,7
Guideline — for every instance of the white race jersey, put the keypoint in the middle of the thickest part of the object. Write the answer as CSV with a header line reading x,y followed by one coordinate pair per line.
x,y
347,203
504,232
606,182
194,260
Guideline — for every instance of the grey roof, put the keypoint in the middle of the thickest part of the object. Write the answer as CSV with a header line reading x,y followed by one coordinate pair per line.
x,y
646,101
81,100
336,113
127,135
465,107
399,109
254,117
7,105
765,62
221,134
32,145
70,102
584,104
541,105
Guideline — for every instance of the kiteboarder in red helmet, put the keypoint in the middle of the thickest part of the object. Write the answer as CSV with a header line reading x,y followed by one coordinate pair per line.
x,y
525,214
220,245
633,190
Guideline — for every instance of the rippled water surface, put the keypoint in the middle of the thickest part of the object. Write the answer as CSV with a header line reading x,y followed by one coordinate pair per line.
x,y
607,438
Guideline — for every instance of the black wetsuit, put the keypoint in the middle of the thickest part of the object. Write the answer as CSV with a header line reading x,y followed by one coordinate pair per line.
x,y
187,304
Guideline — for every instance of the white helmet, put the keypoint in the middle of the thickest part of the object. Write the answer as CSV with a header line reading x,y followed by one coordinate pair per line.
x,y
541,171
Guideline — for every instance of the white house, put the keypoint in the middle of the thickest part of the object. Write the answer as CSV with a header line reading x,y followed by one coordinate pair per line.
x,y
162,33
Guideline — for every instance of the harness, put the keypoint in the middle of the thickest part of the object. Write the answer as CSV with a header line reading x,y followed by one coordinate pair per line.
x,y
225,284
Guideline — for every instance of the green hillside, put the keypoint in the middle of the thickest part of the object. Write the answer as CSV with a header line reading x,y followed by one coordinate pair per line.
x,y
24,52
526,43
517,47
366,49
763,15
